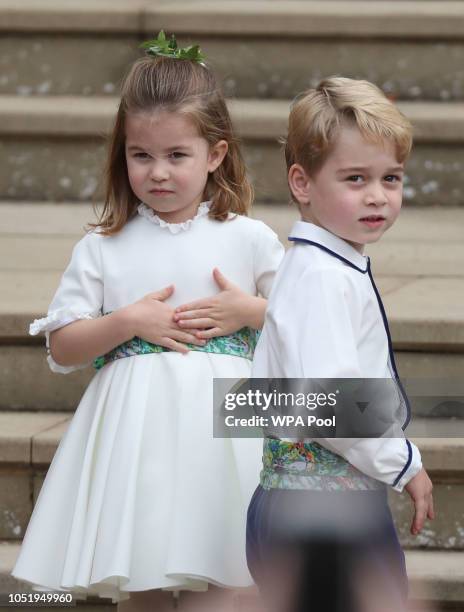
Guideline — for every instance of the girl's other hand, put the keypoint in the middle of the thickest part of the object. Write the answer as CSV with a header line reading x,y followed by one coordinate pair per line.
x,y
223,313
153,320
420,489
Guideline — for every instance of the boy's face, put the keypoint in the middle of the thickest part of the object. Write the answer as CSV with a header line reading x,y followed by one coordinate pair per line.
x,y
357,192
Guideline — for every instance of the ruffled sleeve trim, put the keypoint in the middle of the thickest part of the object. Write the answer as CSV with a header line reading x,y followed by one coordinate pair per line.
x,y
58,318
55,320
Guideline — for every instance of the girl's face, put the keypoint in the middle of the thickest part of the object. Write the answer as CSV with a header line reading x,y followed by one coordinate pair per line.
x,y
168,163
357,192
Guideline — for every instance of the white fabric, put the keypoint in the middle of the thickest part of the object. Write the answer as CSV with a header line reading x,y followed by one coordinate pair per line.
x,y
174,228
323,321
140,495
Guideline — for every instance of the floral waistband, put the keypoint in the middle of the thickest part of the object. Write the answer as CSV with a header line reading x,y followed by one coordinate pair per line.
x,y
308,465
241,343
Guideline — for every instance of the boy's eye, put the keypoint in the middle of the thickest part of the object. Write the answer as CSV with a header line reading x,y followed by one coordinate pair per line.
x,y
355,178
176,155
393,178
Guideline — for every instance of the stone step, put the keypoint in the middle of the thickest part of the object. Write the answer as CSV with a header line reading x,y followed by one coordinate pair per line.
x,y
53,148
422,286
28,383
260,49
37,239
435,578
28,441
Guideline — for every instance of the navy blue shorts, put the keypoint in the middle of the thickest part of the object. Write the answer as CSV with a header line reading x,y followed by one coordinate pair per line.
x,y
343,541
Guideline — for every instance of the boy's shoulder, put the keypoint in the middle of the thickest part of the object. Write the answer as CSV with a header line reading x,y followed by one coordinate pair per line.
x,y
318,251
308,267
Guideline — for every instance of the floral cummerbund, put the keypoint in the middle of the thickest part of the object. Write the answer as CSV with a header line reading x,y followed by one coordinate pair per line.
x,y
241,343
308,465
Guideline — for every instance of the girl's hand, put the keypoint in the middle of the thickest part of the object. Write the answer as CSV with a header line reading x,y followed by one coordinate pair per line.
x,y
420,489
223,313
153,320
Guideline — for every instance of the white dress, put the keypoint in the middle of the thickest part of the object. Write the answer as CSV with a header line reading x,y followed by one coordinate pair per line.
x,y
139,494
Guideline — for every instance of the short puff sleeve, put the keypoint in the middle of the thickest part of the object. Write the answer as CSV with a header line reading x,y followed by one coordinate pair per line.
x,y
79,295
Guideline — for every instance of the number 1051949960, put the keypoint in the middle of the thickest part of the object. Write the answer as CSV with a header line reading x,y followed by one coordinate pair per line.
x,y
37,600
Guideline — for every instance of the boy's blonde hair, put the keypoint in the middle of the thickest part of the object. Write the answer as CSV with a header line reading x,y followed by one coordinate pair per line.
x,y
177,86
317,115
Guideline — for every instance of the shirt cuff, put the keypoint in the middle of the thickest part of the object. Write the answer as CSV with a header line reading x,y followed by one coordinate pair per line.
x,y
412,466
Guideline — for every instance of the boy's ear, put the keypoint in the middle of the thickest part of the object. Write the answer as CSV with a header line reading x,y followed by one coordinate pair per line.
x,y
216,154
299,183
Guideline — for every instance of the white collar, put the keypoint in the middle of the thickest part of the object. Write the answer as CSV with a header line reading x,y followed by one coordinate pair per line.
x,y
318,236
145,211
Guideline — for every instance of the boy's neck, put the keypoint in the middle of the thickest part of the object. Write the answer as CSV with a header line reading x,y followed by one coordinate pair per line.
x,y
357,247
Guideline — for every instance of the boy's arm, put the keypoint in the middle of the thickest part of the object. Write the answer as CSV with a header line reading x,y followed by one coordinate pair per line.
x,y
312,332
394,461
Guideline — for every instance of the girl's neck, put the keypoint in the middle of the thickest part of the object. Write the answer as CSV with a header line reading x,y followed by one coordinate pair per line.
x,y
174,223
176,217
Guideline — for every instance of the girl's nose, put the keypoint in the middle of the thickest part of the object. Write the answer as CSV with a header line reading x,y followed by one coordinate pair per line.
x,y
159,171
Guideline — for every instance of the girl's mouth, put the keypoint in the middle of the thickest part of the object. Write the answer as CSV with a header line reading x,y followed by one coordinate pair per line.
x,y
373,221
160,192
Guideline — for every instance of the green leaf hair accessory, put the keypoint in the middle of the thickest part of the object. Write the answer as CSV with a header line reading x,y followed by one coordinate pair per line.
x,y
163,47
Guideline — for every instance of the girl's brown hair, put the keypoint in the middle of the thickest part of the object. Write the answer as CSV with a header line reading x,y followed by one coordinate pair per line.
x,y
177,86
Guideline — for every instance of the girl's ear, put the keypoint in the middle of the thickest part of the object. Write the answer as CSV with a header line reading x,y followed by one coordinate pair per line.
x,y
299,183
216,155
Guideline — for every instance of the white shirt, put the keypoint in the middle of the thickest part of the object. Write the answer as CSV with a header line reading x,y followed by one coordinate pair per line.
x,y
325,319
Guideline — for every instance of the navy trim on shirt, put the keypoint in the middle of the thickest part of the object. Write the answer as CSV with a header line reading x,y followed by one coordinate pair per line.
x,y
323,248
382,312
390,346
408,463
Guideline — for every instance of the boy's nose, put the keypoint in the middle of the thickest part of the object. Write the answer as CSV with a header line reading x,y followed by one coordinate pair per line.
x,y
376,196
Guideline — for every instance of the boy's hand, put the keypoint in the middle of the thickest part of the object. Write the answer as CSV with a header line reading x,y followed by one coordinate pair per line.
x,y
420,489
218,315
153,320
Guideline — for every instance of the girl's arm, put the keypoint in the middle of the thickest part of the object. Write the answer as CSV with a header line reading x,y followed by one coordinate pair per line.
x,y
82,341
149,318
223,313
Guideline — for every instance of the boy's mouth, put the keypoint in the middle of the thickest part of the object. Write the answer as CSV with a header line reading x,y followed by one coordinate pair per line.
x,y
373,220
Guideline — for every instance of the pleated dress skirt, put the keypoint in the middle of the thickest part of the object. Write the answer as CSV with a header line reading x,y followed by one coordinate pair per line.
x,y
140,495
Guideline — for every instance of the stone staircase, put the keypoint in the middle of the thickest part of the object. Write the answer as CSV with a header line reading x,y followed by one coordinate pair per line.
x,y
60,68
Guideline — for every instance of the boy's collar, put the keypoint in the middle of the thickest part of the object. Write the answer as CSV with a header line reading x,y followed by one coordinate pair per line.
x,y
318,236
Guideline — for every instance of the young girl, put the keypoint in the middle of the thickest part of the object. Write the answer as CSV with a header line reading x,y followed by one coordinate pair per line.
x,y
140,496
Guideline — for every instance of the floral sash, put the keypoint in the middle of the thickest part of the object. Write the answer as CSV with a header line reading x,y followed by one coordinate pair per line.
x,y
241,343
308,465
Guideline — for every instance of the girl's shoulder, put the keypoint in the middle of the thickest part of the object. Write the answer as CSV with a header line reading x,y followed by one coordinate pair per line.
x,y
249,226
264,246
94,244
96,236
89,242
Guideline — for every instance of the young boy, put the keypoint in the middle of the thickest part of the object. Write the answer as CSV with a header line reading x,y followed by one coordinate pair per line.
x,y
345,152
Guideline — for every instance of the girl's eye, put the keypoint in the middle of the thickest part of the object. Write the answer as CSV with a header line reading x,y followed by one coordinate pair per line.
x,y
393,178
355,178
141,155
176,155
